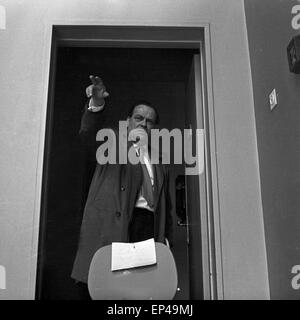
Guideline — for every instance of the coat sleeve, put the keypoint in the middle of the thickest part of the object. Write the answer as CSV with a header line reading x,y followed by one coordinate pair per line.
x,y
91,123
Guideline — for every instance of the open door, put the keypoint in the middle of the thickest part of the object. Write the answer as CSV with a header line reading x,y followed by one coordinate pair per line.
x,y
64,194
196,204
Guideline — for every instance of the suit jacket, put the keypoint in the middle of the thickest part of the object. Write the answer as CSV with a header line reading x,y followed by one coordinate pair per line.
x,y
111,200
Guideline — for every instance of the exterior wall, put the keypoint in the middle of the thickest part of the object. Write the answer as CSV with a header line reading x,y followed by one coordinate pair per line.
x,y
269,24
24,65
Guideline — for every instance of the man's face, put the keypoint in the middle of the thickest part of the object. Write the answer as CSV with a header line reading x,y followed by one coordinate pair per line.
x,y
143,117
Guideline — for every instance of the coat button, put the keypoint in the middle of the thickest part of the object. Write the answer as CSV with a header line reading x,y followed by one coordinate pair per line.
x,y
118,214
122,188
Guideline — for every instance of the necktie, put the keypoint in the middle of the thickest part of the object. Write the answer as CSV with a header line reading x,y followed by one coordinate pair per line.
x,y
147,188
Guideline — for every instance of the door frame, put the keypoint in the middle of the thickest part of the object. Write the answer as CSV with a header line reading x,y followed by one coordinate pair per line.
x,y
189,35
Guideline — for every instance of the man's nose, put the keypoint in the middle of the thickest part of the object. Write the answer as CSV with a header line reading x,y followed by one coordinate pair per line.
x,y
144,123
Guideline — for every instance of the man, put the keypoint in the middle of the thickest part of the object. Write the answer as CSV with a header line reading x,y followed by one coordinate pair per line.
x,y
126,202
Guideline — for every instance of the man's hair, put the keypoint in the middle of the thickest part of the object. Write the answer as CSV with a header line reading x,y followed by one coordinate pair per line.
x,y
146,103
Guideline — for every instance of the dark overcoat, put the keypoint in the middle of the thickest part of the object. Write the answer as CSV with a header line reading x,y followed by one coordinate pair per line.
x,y
112,196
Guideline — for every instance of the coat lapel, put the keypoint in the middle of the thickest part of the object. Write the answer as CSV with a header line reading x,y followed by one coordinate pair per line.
x,y
158,175
134,174
133,178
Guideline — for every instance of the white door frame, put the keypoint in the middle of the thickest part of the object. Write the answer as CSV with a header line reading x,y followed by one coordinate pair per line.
x,y
211,227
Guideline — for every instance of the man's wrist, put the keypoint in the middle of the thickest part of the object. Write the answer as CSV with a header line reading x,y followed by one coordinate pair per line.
x,y
94,107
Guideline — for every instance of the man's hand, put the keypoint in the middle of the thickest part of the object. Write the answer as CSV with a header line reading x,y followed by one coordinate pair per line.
x,y
138,136
96,91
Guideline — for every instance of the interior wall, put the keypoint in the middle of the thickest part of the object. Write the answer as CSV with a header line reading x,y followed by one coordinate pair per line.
x,y
24,64
278,135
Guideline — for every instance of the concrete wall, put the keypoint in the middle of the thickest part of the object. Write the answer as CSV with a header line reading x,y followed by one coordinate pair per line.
x,y
278,135
24,65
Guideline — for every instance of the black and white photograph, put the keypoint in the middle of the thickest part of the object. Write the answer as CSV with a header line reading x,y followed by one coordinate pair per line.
x,y
150,151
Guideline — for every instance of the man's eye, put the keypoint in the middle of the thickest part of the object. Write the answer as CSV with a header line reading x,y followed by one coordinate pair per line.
x,y
138,118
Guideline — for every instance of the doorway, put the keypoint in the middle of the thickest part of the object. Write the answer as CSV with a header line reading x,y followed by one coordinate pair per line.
x,y
159,75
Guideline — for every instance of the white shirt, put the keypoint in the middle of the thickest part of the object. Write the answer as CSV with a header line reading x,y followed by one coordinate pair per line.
x,y
141,201
95,108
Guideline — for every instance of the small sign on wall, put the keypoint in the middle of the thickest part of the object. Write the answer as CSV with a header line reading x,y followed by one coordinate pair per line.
x,y
273,99
2,18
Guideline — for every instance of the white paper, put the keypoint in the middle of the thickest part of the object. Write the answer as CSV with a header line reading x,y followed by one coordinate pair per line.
x,y
132,255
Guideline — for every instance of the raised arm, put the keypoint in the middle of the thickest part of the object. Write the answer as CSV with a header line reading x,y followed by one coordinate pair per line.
x,y
92,117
